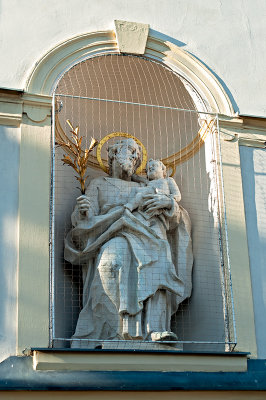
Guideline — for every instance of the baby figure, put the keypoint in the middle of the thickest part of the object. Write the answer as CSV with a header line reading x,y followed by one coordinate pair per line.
x,y
158,184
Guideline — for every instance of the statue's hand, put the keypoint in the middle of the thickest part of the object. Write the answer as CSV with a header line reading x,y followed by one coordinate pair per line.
x,y
154,202
83,204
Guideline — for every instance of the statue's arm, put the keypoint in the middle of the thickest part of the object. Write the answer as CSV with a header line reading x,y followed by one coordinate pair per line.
x,y
173,210
175,197
133,201
168,203
87,205
174,190
136,197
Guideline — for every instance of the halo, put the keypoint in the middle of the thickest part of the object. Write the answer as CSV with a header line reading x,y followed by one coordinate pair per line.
x,y
192,148
206,126
121,134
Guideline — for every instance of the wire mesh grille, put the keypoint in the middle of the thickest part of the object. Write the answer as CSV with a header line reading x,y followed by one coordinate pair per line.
x,y
151,103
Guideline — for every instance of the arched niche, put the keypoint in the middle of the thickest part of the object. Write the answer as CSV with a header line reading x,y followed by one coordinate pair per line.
x,y
40,85
200,81
178,126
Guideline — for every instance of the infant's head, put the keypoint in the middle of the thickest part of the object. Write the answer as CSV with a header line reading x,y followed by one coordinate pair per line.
x,y
155,169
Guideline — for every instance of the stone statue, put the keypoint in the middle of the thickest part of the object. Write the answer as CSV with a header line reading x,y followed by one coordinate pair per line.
x,y
158,183
133,242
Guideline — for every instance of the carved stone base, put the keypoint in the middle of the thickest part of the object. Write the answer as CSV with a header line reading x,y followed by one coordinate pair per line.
x,y
125,345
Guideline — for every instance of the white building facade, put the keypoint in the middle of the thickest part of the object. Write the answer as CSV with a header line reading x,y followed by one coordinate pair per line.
x,y
217,48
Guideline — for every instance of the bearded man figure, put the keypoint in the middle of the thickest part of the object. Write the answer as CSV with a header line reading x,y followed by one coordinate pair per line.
x,y
136,271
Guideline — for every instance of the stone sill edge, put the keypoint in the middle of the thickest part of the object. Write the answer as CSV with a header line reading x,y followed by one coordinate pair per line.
x,y
137,361
207,353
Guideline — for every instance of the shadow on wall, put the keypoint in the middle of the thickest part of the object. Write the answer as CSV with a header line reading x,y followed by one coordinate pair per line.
x,y
200,318
225,87
9,167
182,44
253,162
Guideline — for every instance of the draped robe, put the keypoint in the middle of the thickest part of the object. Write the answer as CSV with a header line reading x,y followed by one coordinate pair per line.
x,y
136,271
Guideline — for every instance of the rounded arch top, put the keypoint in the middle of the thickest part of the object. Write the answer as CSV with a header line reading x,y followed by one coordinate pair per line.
x,y
199,81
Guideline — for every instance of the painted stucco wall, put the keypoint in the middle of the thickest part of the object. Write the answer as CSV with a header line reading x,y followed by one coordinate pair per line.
x,y
9,167
229,37
253,163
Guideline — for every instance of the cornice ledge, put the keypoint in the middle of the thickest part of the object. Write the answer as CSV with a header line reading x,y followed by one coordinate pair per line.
x,y
252,142
243,122
10,119
36,106
10,109
247,131
232,122
37,100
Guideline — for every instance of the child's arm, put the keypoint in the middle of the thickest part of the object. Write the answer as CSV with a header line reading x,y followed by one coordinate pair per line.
x,y
174,190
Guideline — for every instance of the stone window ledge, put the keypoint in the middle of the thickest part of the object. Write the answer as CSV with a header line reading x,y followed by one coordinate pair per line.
x,y
132,360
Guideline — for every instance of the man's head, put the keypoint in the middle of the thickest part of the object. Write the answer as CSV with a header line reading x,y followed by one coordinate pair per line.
x,y
155,169
127,155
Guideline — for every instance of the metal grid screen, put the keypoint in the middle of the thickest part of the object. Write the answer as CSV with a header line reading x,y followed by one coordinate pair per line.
x,y
115,93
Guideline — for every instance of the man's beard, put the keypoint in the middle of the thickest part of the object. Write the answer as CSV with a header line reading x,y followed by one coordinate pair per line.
x,y
128,166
